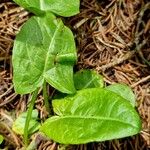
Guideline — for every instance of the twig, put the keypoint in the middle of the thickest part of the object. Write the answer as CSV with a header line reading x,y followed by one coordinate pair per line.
x,y
140,81
6,92
8,99
2,124
80,23
116,61
4,58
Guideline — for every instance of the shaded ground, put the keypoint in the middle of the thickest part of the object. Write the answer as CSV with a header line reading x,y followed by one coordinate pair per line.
x,y
112,38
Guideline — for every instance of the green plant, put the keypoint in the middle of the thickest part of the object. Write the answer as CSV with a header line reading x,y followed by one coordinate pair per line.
x,y
44,52
19,124
94,114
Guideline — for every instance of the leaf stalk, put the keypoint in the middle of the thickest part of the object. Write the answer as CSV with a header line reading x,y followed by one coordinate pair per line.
x,y
29,115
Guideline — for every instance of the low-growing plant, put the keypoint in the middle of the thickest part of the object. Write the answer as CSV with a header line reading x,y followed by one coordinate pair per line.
x,y
19,124
94,113
44,52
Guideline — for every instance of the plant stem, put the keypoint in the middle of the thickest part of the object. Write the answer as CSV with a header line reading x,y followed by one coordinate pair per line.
x,y
46,99
29,115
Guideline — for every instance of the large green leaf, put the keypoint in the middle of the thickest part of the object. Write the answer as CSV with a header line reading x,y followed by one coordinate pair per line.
x,y
44,49
64,8
124,91
19,124
91,115
87,79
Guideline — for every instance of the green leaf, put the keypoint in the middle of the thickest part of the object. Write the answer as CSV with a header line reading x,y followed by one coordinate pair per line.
x,y
1,139
91,115
61,77
44,49
87,79
19,124
124,91
84,79
64,8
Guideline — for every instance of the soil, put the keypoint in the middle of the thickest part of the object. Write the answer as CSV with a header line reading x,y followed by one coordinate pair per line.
x,y
112,37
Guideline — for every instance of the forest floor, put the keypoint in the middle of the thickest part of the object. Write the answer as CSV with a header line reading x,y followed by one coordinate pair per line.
x,y
112,37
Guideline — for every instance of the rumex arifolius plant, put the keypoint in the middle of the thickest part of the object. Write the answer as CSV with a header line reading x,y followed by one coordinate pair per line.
x,y
44,53
95,113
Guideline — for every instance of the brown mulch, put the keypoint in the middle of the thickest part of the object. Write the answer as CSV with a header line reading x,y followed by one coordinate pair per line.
x,y
113,38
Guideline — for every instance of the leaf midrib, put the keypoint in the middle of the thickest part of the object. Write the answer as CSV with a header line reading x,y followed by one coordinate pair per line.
x,y
88,83
95,118
50,46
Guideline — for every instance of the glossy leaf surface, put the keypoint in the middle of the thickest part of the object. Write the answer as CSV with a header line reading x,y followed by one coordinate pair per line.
x,y
64,8
44,49
91,115
87,79
19,124
124,91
